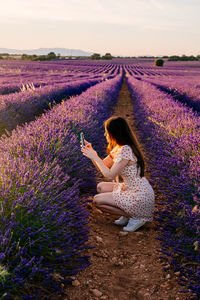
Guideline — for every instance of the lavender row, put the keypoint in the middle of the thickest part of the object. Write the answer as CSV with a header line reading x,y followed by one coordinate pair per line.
x,y
22,107
171,133
186,90
33,82
138,70
144,71
19,68
171,70
11,84
40,77
43,228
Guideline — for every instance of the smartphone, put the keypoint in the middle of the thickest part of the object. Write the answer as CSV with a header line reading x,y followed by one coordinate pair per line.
x,y
82,139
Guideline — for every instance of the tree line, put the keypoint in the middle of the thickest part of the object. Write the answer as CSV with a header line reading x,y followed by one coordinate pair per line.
x,y
96,56
182,58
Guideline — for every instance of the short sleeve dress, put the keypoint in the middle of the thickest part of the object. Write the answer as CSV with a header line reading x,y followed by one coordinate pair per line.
x,y
134,195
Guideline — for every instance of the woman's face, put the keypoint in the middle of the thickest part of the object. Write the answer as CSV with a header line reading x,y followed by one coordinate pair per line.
x,y
109,138
106,134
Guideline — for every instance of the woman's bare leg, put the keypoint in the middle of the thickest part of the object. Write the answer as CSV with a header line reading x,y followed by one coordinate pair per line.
x,y
113,210
105,202
104,187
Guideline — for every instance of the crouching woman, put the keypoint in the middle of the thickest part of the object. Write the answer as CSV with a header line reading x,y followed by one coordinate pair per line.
x,y
132,199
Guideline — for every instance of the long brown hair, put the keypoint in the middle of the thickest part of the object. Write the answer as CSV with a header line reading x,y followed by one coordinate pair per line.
x,y
121,134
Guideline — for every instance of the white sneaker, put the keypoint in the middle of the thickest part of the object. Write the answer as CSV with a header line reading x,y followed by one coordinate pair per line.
x,y
133,225
121,221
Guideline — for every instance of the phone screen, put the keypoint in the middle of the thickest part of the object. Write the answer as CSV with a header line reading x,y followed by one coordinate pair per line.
x,y
82,138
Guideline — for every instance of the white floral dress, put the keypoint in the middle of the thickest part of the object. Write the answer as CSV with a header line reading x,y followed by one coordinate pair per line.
x,y
134,195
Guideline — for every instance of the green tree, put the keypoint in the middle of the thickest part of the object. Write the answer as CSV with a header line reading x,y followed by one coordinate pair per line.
x,y
159,62
96,56
24,57
192,57
174,58
107,56
33,57
51,55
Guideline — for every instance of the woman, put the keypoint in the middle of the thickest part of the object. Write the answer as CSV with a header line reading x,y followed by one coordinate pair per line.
x,y
133,198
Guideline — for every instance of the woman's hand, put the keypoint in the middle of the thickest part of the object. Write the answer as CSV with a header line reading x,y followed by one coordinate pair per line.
x,y
87,144
89,152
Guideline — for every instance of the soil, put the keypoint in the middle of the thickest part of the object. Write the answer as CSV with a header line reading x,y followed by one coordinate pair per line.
x,y
124,266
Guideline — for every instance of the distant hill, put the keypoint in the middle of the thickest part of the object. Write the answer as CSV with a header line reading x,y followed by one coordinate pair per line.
x,y
44,51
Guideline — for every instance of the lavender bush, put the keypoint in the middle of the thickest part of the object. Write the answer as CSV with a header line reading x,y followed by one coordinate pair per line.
x,y
171,133
28,88
19,108
43,228
186,91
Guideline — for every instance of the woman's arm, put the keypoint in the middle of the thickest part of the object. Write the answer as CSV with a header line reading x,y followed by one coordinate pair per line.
x,y
108,173
111,173
95,164
108,161
89,145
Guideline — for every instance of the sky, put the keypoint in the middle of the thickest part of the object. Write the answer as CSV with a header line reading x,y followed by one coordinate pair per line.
x,y
120,27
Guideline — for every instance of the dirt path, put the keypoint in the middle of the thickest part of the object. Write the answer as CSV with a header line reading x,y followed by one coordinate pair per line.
x,y
125,266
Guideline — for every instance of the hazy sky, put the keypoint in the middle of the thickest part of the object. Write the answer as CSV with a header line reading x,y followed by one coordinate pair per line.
x,y
122,27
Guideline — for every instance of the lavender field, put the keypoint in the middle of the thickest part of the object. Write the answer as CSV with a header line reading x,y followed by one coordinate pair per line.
x,y
43,217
